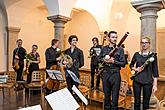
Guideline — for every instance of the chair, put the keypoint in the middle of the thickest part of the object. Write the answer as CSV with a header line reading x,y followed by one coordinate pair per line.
x,y
11,81
122,94
84,85
161,105
36,82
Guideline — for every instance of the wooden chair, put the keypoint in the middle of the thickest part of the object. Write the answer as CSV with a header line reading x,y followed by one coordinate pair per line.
x,y
11,81
122,94
36,82
84,85
161,105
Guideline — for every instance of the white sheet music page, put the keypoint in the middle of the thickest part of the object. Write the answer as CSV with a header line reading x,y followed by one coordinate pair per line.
x,y
55,74
74,88
36,107
62,100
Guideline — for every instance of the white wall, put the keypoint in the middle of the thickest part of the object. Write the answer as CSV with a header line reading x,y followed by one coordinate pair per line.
x,y
124,18
3,46
36,29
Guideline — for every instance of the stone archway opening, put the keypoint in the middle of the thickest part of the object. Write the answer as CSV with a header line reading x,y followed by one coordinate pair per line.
x,y
85,26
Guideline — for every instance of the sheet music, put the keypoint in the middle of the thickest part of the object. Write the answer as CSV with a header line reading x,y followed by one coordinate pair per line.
x,y
55,74
3,78
62,100
73,76
36,107
74,88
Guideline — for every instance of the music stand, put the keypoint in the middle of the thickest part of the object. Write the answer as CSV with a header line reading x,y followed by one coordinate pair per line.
x,y
3,79
55,75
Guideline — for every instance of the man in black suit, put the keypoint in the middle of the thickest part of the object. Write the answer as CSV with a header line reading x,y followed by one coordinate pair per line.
x,y
78,61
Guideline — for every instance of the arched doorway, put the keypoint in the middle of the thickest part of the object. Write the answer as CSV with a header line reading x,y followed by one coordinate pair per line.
x,y
85,26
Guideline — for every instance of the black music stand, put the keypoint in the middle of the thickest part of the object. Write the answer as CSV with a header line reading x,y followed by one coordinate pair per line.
x,y
55,75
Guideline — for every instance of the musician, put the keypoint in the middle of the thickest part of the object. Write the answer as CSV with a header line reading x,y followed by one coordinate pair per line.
x,y
94,53
33,60
111,73
78,61
147,77
18,58
52,55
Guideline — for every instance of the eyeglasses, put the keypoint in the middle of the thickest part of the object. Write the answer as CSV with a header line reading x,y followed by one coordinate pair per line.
x,y
145,42
35,48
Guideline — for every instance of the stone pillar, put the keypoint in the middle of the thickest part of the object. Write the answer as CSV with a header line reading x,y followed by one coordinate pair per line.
x,y
148,10
59,22
13,36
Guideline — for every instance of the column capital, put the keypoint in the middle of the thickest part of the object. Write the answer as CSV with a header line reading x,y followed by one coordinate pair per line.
x,y
14,29
145,5
59,19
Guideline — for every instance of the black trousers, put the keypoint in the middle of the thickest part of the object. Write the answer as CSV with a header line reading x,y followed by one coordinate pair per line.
x,y
111,85
147,90
19,73
70,82
93,71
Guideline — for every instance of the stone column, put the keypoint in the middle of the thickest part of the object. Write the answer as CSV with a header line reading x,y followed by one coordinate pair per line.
x,y
148,10
13,36
59,22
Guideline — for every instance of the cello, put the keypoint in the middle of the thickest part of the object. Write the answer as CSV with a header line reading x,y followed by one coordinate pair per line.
x,y
52,84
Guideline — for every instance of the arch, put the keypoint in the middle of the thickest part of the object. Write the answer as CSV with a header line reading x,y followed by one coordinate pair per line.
x,y
85,26
22,7
123,17
100,9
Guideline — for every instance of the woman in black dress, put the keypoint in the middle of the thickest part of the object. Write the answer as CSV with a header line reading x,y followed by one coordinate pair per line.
x,y
33,58
146,80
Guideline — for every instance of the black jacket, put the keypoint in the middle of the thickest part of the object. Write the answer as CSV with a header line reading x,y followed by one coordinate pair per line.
x,y
78,59
95,52
150,71
118,56
21,52
51,54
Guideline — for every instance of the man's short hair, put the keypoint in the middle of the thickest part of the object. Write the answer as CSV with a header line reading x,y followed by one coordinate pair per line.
x,y
114,32
19,40
34,45
54,41
95,38
71,37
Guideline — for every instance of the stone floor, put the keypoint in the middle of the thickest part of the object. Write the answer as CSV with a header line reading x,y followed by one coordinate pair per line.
x,y
17,99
